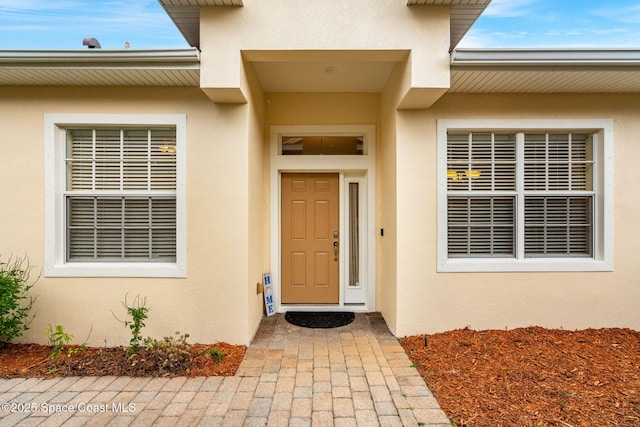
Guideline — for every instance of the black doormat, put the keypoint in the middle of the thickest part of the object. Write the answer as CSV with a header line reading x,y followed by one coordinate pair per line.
x,y
319,319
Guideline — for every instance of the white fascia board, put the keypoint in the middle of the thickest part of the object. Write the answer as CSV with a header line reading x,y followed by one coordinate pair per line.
x,y
201,3
173,58
448,2
510,58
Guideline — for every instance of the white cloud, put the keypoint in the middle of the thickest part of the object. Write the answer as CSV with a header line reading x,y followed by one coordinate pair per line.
x,y
627,14
62,24
508,8
26,6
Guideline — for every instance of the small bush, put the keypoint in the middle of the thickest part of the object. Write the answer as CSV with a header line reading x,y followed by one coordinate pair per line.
x,y
15,301
170,354
59,339
217,354
139,312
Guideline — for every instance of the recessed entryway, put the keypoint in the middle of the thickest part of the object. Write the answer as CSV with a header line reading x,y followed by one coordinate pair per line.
x,y
323,218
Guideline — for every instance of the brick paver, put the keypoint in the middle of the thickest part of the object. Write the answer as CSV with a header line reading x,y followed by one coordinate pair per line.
x,y
356,375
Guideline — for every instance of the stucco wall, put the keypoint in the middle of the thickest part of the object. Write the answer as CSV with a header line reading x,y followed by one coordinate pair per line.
x,y
386,205
227,214
321,108
291,30
212,303
258,207
429,301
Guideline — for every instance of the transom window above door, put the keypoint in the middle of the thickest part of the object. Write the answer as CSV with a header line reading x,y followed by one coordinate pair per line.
x,y
298,145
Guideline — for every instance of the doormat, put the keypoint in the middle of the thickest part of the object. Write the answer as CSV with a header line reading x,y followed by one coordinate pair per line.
x,y
319,319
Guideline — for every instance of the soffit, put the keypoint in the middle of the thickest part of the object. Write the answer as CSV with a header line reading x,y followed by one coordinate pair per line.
x,y
545,71
463,13
100,68
186,15
541,81
324,71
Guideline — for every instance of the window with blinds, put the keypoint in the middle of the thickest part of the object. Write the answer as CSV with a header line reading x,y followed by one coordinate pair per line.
x,y
120,194
520,194
558,194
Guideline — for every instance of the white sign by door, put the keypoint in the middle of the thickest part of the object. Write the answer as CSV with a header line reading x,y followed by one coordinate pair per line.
x,y
268,294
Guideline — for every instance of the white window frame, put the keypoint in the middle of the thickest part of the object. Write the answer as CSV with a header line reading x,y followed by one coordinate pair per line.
x,y
602,259
55,126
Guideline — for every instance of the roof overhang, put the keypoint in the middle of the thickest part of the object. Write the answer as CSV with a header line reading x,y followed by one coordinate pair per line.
x,y
463,13
186,15
513,58
472,70
176,67
545,71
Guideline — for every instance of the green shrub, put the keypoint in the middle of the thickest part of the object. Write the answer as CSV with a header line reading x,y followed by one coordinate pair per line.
x,y
217,354
171,354
138,312
15,301
59,339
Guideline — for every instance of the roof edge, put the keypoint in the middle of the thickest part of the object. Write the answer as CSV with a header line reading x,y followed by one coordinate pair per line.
x,y
509,58
463,14
185,15
102,56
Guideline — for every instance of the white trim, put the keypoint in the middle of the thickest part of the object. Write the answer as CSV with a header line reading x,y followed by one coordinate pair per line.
x,y
603,183
347,166
55,265
505,58
355,294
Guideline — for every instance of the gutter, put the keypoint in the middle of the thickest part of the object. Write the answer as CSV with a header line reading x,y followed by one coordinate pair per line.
x,y
170,59
544,58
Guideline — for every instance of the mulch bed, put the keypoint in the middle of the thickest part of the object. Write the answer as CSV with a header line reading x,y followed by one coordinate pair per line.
x,y
33,360
532,376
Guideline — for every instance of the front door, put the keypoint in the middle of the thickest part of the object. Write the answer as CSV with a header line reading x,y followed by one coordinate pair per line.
x,y
310,238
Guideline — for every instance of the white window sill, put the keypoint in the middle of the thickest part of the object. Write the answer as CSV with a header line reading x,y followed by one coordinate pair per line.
x,y
513,265
116,269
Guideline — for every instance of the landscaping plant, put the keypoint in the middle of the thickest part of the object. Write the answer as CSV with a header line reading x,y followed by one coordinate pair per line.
x,y
138,312
59,339
15,301
170,354
217,354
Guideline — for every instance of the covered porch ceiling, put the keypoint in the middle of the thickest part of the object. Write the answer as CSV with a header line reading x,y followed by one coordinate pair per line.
x,y
324,71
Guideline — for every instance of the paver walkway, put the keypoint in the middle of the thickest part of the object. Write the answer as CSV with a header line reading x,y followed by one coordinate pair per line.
x,y
356,375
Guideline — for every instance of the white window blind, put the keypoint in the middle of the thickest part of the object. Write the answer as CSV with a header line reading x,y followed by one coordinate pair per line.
x,y
481,182
558,223
538,182
121,194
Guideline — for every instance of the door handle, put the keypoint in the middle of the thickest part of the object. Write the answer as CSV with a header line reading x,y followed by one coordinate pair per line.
x,y
335,250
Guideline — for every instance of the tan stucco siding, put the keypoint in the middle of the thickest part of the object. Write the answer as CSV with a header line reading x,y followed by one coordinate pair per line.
x,y
321,108
293,31
211,303
257,207
429,301
228,215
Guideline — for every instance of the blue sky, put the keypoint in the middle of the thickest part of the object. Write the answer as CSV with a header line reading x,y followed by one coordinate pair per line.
x,y
62,24
557,24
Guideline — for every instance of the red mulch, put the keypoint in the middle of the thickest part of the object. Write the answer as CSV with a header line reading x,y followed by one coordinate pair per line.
x,y
532,376
33,360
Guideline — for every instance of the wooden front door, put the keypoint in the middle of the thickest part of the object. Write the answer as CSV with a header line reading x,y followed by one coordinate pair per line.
x,y
310,238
